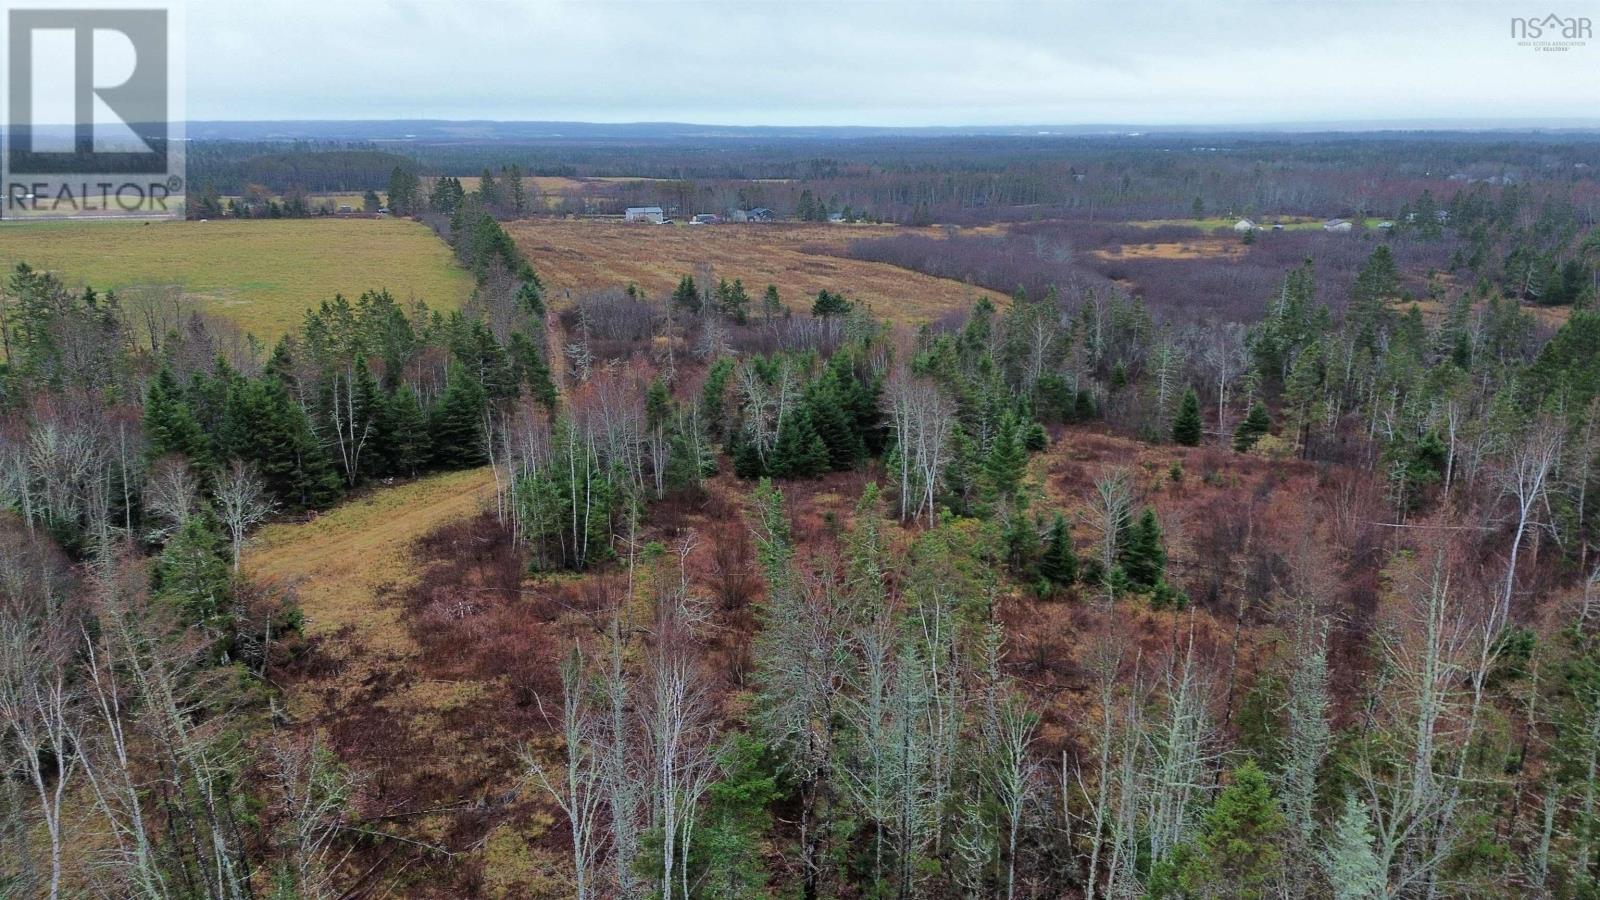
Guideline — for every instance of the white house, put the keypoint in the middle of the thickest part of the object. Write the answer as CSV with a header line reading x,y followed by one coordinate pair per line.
x,y
1244,225
651,214
1337,226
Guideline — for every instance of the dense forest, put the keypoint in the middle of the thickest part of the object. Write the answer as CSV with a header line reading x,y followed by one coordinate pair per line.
x,y
1080,594
957,179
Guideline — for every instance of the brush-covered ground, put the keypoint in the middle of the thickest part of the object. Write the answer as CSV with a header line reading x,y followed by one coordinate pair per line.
x,y
433,668
578,255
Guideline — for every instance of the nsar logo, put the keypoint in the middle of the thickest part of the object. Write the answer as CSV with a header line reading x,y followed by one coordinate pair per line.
x,y
1552,33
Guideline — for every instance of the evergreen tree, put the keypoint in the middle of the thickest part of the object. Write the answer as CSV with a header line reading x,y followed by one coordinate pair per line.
x,y
1237,853
1376,283
727,855
193,570
264,425
1034,437
733,301
771,305
456,422
1059,562
746,458
1007,460
530,370
1256,424
714,398
1143,554
408,448
1351,863
657,405
1186,425
489,190
530,297
170,425
799,451
366,410
446,196
403,186
516,194
829,408
686,295
829,305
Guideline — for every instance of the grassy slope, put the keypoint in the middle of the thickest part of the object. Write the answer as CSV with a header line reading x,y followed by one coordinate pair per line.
x,y
581,255
341,562
260,274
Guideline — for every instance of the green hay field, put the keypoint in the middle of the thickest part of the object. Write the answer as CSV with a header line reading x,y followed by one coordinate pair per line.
x,y
261,274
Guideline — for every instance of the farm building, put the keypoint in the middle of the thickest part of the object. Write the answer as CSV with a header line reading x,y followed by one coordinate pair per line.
x,y
1338,226
652,214
1244,225
758,214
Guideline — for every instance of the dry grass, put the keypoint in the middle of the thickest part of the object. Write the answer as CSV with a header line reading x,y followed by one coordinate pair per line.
x,y
261,274
340,565
582,255
1433,311
1201,248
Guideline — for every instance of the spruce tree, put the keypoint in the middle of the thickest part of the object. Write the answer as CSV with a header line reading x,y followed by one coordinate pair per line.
x,y
1007,459
771,305
1034,437
657,405
746,458
170,425
714,398
264,425
1142,556
686,295
456,422
829,409
529,369
733,301
530,297
1059,562
829,305
1255,425
1186,425
1237,853
192,572
409,446
1351,863
799,451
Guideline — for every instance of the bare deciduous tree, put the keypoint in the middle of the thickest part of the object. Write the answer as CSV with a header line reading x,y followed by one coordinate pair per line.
x,y
242,503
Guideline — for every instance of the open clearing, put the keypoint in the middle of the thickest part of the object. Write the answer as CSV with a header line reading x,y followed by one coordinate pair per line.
x,y
262,274
584,255
340,566
1200,248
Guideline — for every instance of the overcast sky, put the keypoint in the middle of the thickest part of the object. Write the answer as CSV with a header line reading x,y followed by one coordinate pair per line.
x,y
932,62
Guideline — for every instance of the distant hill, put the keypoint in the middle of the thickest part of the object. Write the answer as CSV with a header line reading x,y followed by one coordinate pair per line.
x,y
436,130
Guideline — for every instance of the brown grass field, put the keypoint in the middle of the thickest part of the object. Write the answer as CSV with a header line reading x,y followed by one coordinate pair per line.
x,y
585,255
1200,248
